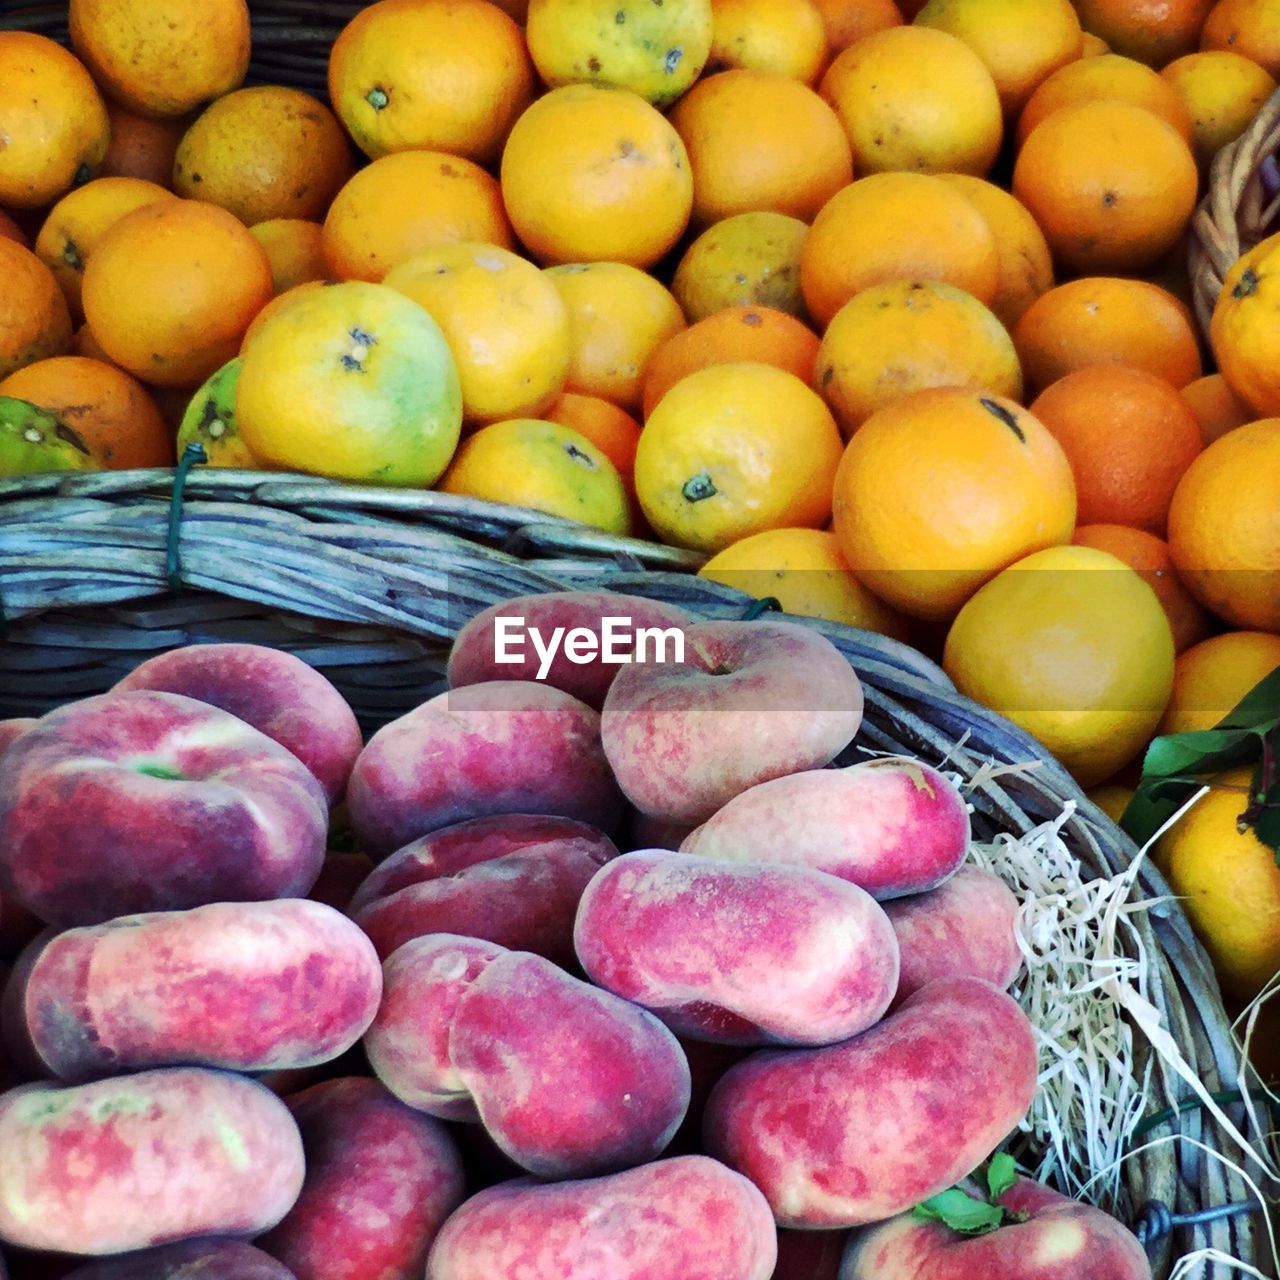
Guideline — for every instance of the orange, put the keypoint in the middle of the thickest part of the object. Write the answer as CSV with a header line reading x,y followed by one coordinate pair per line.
x,y
760,141
612,430
355,382
1249,27
1022,253
278,304
1222,92
1112,186
163,59
1104,320
1110,76
654,50
1217,408
806,572
1149,557
504,321
295,250
34,322
1224,526
618,318
52,119
736,335
940,491
110,411
405,203
543,466
1153,31
896,226
1071,645
141,147
1113,800
847,21
263,153
895,339
172,287
85,344
594,175
1243,332
1130,437
1021,42
913,98
1092,46
80,219
733,450
1212,677
786,37
749,258
9,230
434,75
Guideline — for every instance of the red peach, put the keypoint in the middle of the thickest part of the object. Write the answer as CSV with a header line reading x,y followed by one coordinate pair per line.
x,y
742,953
892,826
137,1160
506,747
381,1180
751,701
859,1131
150,801
474,658
280,695
688,1217
206,1259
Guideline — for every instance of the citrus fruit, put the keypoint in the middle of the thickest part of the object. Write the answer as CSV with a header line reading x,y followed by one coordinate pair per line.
x,y
733,450
1092,46
171,288
406,202
80,219
1107,320
786,37
612,430
141,147
504,321
749,258
355,382
1071,645
1113,800
1149,557
1222,92
32,440
1224,526
52,119
9,230
896,226
806,572
1112,186
759,141
1217,408
1245,339
34,321
163,59
435,75
940,491
262,153
1249,27
278,304
1025,266
1110,77
592,174
736,335
1129,436
654,50
917,99
1211,678
1021,42
847,21
210,420
1229,884
543,466
618,318
893,339
295,250
1153,31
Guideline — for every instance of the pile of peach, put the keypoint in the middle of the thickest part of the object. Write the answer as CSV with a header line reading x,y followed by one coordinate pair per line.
x,y
491,1045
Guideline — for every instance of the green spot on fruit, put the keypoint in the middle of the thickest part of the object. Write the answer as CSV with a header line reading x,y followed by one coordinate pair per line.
x,y
377,98
71,256
620,17
1000,412
233,1144
672,60
1247,285
582,458
163,772
698,488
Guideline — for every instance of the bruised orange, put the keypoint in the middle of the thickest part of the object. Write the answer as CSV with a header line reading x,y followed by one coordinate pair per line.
x,y
34,321
749,258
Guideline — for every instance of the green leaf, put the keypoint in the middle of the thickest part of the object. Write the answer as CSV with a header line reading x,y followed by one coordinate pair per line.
x,y
1002,1174
1259,709
961,1212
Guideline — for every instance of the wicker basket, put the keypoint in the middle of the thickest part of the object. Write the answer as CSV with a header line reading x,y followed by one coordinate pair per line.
x,y
98,572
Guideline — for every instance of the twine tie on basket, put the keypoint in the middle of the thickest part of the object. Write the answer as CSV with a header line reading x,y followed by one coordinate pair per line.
x,y
757,608
1155,1220
192,455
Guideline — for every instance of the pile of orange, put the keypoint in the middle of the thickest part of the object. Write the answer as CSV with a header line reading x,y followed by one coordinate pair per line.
x,y
880,307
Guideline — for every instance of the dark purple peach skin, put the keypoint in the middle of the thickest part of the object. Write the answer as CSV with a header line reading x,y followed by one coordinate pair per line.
x,y
810,1255
381,1180
189,1260
278,694
17,925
